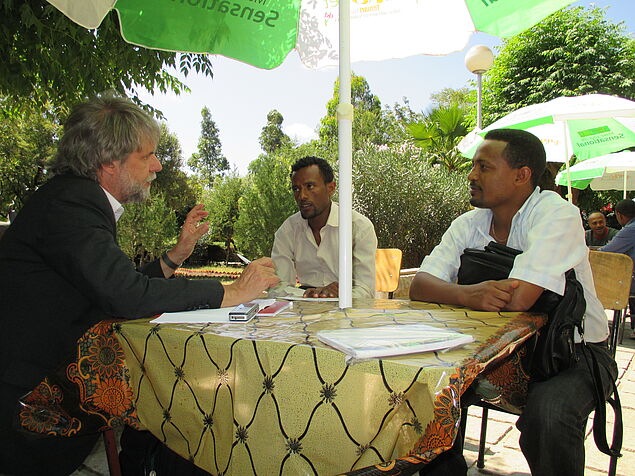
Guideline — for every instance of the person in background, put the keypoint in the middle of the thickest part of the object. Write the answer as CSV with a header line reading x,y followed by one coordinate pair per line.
x,y
306,246
512,210
599,234
62,271
624,242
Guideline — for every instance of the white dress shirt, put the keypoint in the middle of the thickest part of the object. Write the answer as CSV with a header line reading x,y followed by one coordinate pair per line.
x,y
549,232
296,254
117,208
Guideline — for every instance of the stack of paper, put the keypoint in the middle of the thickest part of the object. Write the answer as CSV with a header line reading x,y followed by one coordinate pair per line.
x,y
386,341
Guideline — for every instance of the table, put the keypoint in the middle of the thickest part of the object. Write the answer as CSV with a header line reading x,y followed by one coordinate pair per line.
x,y
268,398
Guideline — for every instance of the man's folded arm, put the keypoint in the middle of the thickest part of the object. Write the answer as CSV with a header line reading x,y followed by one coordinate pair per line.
x,y
504,295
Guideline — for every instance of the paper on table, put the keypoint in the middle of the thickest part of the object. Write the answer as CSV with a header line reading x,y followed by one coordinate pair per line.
x,y
300,298
203,316
386,341
200,316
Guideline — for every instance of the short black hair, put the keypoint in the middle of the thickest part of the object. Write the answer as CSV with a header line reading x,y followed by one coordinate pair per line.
x,y
326,171
626,207
523,149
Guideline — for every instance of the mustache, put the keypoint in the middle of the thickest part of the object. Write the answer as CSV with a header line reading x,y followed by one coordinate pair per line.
x,y
152,177
474,186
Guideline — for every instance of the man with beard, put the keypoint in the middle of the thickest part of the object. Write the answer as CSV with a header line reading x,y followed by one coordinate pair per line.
x,y
61,272
306,246
512,210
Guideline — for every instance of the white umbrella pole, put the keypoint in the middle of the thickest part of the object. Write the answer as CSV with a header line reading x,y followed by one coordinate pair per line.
x,y
568,156
625,174
345,147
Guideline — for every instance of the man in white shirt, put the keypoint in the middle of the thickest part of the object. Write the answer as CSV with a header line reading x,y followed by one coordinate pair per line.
x,y
512,210
306,246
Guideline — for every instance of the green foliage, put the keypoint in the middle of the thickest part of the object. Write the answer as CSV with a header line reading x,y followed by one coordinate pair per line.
x,y
410,202
267,200
147,229
438,135
572,52
209,162
591,200
272,138
48,59
370,124
179,191
27,142
222,204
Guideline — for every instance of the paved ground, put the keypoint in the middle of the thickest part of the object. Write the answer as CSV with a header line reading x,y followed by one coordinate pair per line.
x,y
503,456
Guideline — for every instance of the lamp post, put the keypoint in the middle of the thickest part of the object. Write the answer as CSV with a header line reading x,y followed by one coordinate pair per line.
x,y
478,60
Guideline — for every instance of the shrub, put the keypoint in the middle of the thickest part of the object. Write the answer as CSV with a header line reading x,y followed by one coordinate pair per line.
x,y
410,202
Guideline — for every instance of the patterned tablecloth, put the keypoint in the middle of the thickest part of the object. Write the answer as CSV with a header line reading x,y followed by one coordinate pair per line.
x,y
268,398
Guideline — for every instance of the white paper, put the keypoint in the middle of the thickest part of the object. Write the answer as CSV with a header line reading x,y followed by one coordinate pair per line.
x,y
300,298
204,316
200,316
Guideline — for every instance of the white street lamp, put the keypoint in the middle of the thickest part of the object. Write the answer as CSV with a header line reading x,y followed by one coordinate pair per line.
x,y
478,60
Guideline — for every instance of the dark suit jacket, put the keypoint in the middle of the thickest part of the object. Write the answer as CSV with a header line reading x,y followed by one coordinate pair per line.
x,y
61,271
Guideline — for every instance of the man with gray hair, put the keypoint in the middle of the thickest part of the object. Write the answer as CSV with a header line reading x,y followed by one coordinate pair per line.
x,y
61,270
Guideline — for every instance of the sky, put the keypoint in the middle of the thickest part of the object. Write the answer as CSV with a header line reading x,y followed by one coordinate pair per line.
x,y
239,96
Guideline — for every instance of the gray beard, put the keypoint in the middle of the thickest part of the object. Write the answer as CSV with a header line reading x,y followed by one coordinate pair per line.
x,y
134,192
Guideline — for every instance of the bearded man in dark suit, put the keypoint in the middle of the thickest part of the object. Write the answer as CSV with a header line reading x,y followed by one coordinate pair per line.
x,y
61,270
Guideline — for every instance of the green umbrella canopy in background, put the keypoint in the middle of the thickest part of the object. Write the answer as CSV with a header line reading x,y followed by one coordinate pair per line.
x,y
325,33
585,126
607,172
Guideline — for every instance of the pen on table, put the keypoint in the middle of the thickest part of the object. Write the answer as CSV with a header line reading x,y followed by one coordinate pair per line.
x,y
243,259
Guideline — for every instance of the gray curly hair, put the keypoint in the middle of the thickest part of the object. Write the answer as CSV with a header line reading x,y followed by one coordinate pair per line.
x,y
100,131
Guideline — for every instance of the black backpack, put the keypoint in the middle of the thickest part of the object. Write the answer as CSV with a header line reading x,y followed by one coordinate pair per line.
x,y
552,350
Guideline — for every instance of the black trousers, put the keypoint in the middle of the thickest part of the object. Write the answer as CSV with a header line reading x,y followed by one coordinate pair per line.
x,y
142,453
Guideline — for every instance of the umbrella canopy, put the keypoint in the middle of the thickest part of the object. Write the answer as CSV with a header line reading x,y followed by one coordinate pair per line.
x,y
607,172
587,126
263,32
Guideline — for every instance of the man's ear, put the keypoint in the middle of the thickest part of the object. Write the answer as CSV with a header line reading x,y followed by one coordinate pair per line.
x,y
523,175
330,187
111,168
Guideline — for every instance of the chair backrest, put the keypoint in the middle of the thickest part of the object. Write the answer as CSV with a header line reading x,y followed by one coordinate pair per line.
x,y
387,266
612,277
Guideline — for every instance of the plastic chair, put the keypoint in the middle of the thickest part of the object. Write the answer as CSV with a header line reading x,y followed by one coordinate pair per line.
x,y
387,266
612,274
612,280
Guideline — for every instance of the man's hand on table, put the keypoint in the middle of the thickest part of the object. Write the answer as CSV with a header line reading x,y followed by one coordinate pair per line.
x,y
257,277
192,230
329,291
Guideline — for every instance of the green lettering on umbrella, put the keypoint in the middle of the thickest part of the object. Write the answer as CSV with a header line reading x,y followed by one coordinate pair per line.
x,y
257,32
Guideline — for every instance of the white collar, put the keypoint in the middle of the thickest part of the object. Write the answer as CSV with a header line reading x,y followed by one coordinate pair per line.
x,y
117,208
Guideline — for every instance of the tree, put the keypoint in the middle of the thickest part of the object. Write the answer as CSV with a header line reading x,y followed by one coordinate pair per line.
x,y
572,52
222,204
147,229
209,161
179,191
464,97
27,142
439,134
48,59
369,122
272,138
